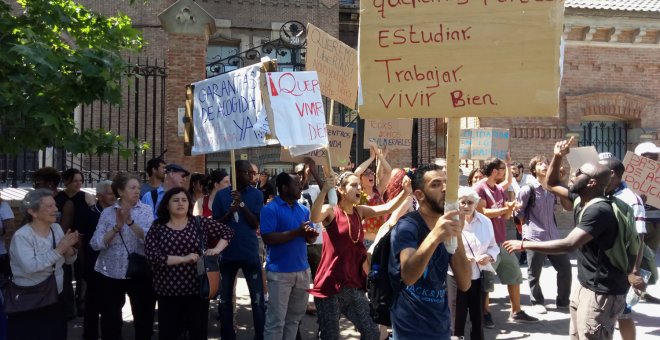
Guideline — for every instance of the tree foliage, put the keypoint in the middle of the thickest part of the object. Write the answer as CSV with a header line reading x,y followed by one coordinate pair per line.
x,y
54,56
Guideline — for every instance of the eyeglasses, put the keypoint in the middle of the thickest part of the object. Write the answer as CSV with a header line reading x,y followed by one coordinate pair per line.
x,y
466,202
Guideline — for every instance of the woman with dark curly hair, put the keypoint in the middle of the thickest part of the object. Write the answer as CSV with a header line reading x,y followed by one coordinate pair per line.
x,y
174,246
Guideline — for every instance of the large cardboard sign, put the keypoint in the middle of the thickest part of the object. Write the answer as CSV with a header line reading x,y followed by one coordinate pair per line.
x,y
459,58
336,64
642,175
339,139
393,134
580,155
228,112
298,115
488,143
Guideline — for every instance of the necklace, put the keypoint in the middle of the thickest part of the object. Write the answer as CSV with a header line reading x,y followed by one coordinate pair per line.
x,y
350,228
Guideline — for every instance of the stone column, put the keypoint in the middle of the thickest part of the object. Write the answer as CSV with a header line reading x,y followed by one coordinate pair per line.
x,y
188,28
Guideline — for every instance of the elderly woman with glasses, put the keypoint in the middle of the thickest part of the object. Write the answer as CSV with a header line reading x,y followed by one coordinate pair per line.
x,y
481,249
38,251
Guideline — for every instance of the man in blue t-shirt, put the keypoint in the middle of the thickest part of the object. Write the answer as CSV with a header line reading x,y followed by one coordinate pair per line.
x,y
419,261
285,228
239,209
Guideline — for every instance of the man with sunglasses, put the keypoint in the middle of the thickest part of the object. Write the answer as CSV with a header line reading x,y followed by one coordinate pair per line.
x,y
537,214
599,299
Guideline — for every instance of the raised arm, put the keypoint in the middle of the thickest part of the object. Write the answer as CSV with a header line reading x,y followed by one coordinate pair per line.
x,y
389,207
383,170
322,212
509,177
553,178
372,155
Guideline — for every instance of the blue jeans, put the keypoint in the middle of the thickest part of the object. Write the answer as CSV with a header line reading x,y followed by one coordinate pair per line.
x,y
252,272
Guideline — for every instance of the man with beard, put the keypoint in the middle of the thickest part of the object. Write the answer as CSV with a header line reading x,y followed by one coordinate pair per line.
x,y
599,299
420,261
493,204
286,229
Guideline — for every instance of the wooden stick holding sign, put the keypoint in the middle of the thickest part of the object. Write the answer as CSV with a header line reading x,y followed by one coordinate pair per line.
x,y
232,159
453,161
332,194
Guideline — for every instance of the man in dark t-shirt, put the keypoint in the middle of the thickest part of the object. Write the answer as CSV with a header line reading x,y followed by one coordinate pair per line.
x,y
419,260
601,284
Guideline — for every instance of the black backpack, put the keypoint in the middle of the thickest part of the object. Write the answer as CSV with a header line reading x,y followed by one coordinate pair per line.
x,y
380,290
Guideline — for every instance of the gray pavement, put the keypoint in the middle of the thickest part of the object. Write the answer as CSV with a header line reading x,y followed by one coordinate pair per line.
x,y
553,325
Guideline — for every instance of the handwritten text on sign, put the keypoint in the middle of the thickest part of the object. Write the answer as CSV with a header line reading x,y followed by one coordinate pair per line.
x,y
393,134
336,64
488,143
339,142
643,176
228,112
298,113
458,58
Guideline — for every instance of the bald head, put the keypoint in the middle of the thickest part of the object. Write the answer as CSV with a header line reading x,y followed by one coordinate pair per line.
x,y
602,175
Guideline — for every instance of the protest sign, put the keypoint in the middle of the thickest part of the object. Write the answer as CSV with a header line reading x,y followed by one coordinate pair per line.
x,y
335,63
488,143
642,175
296,111
339,139
580,155
228,112
465,146
393,134
459,58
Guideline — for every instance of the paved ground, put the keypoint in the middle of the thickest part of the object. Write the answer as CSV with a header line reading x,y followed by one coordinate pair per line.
x,y
553,325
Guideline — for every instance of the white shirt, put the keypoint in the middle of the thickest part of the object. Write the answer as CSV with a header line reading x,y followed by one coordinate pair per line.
x,y
635,202
5,214
526,179
479,239
113,258
32,257
313,192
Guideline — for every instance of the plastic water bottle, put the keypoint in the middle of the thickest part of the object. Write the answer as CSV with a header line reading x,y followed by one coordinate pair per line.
x,y
332,197
452,244
632,298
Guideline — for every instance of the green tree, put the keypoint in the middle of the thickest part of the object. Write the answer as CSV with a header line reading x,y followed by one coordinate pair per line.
x,y
54,56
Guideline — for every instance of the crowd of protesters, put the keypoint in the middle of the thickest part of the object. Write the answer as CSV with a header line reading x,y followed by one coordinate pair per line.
x,y
291,240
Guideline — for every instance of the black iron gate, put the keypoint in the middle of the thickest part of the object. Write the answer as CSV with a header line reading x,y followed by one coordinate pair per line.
x,y
606,136
141,116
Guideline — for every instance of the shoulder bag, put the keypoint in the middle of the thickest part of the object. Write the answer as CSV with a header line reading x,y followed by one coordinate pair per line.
x,y
208,270
138,265
26,298
487,277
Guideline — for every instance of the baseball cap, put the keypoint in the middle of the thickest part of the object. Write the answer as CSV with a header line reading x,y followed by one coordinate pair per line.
x,y
176,168
605,155
646,147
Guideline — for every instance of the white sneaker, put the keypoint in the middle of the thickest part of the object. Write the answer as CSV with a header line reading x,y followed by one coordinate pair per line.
x,y
540,309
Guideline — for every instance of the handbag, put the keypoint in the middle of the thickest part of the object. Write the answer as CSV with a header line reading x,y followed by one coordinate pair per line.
x,y
19,299
487,277
208,269
138,265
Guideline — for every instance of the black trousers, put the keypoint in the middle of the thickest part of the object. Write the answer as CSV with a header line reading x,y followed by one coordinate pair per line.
x,y
93,303
178,315
143,303
47,323
468,302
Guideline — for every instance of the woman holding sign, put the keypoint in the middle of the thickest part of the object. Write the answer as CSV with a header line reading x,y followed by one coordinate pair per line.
x,y
340,282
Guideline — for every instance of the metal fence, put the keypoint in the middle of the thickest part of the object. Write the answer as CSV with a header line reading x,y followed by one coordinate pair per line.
x,y
141,116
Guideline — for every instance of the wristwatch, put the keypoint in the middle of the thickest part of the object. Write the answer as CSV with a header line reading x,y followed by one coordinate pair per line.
x,y
242,205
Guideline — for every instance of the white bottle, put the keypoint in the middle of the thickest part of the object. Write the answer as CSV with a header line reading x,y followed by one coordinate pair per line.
x,y
452,244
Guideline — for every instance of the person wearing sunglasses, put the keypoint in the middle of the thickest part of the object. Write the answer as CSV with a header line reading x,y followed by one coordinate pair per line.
x,y
481,250
599,299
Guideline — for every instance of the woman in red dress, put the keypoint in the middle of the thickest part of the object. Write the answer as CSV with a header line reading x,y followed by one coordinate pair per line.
x,y
340,282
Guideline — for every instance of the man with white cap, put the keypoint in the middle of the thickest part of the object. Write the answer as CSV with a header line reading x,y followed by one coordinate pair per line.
x,y
652,237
